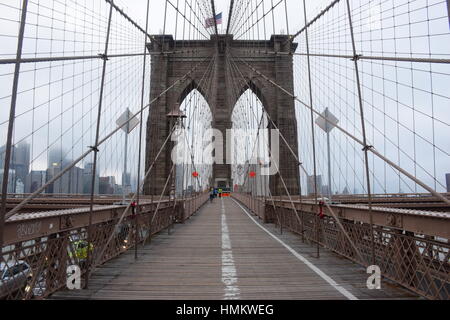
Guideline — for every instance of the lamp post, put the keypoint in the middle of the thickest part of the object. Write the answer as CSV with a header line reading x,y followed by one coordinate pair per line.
x,y
175,117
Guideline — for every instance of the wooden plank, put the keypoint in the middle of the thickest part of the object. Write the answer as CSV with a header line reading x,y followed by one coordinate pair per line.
x,y
188,265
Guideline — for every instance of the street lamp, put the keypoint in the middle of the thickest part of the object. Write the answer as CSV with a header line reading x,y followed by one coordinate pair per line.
x,y
176,117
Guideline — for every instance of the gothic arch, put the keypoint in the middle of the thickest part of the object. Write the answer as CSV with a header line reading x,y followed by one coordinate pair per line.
x,y
222,91
256,90
189,87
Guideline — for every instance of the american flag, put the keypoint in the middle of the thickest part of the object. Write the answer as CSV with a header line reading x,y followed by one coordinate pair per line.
x,y
211,21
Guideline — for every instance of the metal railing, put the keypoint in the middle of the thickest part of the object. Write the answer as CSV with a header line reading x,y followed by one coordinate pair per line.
x,y
418,262
35,264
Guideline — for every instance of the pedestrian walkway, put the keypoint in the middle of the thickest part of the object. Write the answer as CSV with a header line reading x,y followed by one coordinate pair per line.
x,y
225,253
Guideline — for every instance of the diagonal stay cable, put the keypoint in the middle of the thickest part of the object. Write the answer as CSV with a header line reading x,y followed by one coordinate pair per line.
x,y
359,141
321,14
16,209
147,175
127,209
230,15
357,251
186,19
268,146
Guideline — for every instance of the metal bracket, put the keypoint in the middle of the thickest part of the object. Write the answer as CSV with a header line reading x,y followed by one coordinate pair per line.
x,y
93,148
103,56
367,148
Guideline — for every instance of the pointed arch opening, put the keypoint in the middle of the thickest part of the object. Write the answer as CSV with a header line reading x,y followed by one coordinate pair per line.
x,y
250,145
194,173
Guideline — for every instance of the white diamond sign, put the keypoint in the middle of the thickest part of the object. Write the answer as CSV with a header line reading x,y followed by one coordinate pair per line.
x,y
329,125
127,115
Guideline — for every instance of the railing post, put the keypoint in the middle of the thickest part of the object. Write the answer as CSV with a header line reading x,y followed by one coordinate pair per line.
x,y
95,147
12,116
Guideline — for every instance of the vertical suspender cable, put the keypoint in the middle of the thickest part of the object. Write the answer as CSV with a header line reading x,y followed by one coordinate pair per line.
x,y
230,15
214,16
12,116
95,147
164,29
313,135
363,127
287,17
273,17
138,190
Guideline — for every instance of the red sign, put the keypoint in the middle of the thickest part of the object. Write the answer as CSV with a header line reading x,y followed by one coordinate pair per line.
x,y
252,174
195,174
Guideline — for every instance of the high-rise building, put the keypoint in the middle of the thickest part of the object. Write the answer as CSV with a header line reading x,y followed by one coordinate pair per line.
x,y
56,157
310,185
35,180
20,187
11,180
107,185
447,178
87,179
325,191
70,183
126,183
20,163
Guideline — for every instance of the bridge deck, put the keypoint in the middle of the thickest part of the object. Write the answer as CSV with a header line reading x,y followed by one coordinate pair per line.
x,y
223,253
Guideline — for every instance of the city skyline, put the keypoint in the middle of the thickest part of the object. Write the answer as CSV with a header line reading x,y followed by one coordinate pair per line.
x,y
22,179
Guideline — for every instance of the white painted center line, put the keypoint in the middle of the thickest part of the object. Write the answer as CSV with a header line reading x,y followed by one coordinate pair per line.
x,y
229,275
319,272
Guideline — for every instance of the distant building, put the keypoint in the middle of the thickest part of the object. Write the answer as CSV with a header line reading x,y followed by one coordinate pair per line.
x,y
325,191
57,156
70,183
126,183
35,180
20,187
107,185
11,180
87,179
447,177
310,185
20,162
118,189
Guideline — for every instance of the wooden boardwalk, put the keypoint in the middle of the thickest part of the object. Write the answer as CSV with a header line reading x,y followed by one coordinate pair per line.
x,y
223,253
